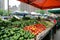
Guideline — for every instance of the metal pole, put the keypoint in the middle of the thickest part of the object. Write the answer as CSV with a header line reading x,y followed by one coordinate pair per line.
x,y
8,6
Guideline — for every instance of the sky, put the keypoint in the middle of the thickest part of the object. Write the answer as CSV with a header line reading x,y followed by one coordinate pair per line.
x,y
11,3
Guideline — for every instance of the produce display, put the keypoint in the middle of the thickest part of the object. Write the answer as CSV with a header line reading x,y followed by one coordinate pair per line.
x,y
35,29
15,29
46,23
11,33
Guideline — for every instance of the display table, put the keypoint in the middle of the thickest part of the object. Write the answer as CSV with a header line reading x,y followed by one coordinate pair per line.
x,y
41,35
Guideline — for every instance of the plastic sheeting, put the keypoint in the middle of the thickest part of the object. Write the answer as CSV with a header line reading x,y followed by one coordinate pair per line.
x,y
43,4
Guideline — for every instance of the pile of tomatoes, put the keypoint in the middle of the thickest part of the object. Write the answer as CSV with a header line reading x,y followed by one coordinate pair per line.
x,y
35,29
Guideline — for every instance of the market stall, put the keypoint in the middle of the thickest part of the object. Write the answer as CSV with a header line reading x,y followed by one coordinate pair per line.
x,y
25,28
43,4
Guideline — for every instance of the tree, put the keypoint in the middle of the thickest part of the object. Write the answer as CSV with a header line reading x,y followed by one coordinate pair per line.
x,y
1,12
4,12
40,11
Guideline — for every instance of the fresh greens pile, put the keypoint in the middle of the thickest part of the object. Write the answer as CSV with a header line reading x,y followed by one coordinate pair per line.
x,y
46,23
13,22
13,29
5,23
11,33
23,23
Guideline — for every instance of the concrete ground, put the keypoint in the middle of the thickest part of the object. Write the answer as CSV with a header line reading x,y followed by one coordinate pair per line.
x,y
57,35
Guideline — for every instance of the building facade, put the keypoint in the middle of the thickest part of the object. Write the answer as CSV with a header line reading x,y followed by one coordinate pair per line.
x,y
26,7
2,4
13,8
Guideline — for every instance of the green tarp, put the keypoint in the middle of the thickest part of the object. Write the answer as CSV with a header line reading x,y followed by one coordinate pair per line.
x,y
54,11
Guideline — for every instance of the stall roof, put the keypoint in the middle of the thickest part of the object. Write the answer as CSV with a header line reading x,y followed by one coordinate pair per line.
x,y
43,4
54,11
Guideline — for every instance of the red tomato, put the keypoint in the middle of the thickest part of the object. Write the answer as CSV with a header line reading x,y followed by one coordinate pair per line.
x,y
55,21
35,29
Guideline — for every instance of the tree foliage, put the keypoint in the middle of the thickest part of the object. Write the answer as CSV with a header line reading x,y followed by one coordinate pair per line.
x,y
4,12
1,12
40,11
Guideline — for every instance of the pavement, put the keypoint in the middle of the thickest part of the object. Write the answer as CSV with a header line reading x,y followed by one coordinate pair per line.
x,y
57,35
